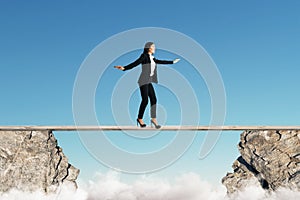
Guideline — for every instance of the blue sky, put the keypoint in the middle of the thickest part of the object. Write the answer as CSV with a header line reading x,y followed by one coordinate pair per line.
x,y
255,45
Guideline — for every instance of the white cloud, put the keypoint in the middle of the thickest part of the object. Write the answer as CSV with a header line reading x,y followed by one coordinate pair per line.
x,y
188,186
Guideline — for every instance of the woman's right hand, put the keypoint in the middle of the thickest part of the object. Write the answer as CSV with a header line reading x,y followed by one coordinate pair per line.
x,y
119,67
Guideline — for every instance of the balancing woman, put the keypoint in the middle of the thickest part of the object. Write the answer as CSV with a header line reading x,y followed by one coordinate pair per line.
x,y
148,75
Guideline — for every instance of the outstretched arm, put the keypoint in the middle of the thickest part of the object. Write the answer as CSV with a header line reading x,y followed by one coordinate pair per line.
x,y
131,65
166,61
135,63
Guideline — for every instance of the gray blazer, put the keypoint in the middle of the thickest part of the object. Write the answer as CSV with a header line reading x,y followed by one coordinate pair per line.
x,y
144,59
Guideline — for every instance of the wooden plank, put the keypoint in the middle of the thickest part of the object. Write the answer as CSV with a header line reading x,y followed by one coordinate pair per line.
x,y
135,128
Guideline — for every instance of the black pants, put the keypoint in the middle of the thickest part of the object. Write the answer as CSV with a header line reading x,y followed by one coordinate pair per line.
x,y
147,90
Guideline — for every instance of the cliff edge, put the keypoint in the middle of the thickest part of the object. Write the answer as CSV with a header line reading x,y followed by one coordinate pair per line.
x,y
31,160
270,159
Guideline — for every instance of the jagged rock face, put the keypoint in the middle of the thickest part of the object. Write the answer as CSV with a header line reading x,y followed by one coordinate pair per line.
x,y
31,160
270,158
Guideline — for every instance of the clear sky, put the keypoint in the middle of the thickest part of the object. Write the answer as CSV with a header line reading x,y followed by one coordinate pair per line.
x,y
255,45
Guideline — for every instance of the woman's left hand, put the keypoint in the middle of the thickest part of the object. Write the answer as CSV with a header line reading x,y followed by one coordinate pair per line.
x,y
176,60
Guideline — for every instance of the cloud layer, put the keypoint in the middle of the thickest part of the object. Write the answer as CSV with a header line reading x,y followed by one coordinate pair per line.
x,y
185,187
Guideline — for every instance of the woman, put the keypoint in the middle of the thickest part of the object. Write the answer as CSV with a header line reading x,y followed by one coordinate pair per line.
x,y
148,75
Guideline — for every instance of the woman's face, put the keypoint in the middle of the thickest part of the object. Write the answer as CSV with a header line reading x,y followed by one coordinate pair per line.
x,y
152,49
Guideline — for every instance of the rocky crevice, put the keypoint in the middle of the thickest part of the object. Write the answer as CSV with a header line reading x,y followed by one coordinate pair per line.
x,y
32,160
268,158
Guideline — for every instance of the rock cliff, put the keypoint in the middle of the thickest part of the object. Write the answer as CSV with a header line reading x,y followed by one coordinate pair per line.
x,y
270,159
31,160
